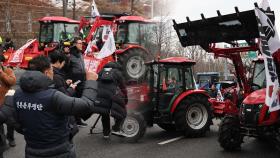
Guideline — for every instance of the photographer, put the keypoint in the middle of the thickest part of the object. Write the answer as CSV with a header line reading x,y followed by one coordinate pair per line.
x,y
112,94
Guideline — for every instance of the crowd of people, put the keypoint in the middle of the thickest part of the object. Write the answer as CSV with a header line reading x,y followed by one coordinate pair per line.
x,y
55,93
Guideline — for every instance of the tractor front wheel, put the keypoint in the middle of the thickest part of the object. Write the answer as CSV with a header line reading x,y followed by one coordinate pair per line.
x,y
230,137
134,127
193,116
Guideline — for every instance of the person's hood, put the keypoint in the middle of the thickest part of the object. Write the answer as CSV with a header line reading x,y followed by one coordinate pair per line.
x,y
34,81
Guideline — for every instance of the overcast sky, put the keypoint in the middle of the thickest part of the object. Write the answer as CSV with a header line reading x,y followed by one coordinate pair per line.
x,y
193,8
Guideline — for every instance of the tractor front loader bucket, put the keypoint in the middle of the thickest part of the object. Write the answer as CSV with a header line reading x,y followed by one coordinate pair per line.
x,y
223,28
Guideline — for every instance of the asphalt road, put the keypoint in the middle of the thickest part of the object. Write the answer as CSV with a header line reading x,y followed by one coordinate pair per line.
x,y
94,146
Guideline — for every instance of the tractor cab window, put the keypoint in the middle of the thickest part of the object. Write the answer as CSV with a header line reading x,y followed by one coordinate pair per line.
x,y
46,33
170,79
64,31
259,75
147,35
133,33
121,33
189,79
154,76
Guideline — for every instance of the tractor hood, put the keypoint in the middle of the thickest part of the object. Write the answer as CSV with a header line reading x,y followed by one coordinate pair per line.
x,y
256,97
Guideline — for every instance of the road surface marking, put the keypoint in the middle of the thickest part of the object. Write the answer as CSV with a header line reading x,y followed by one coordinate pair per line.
x,y
170,140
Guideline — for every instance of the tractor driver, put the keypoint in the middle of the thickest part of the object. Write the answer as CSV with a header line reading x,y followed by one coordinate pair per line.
x,y
172,85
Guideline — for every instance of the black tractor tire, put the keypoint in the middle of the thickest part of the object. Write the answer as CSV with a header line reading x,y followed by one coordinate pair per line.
x,y
133,63
230,137
193,116
167,127
134,127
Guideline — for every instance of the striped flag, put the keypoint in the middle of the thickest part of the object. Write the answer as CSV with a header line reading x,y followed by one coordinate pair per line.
x,y
269,45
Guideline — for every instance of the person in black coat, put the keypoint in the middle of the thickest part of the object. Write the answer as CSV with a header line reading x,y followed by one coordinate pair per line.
x,y
42,112
76,70
112,94
61,84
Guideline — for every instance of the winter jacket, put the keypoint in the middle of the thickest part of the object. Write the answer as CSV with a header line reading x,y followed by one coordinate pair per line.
x,y
112,96
76,68
43,114
7,80
60,83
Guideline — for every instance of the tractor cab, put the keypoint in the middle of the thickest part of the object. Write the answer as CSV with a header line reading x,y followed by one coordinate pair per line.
x,y
53,30
168,78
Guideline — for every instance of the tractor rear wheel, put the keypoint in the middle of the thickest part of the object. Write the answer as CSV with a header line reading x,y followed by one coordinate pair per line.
x,y
134,127
167,127
230,137
193,116
133,62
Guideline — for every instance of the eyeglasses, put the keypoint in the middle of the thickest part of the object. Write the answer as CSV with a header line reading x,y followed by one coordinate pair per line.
x,y
80,43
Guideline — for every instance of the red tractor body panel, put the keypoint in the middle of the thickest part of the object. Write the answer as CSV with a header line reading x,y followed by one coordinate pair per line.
x,y
184,95
256,97
30,50
96,65
134,18
58,19
138,96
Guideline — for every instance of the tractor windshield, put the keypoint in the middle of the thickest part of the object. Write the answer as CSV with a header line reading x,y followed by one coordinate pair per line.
x,y
54,32
135,33
259,75
173,78
64,31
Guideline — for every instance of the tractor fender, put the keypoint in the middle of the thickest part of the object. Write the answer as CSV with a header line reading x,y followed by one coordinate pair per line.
x,y
186,94
121,51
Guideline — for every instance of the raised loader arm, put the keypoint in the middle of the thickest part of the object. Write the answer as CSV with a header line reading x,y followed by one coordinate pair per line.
x,y
223,28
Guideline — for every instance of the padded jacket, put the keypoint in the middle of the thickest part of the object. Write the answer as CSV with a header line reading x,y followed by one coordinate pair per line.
x,y
42,111
112,96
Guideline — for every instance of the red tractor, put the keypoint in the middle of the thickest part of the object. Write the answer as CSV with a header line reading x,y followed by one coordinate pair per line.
x,y
169,99
245,113
133,36
53,30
